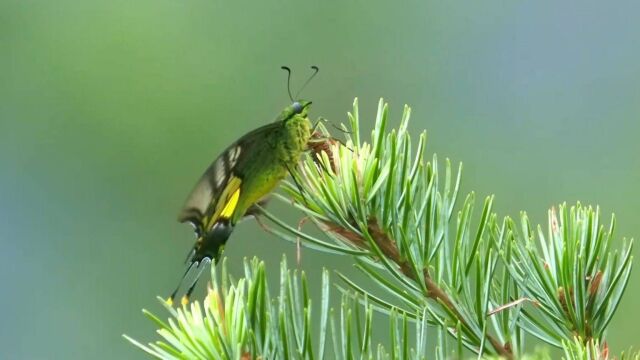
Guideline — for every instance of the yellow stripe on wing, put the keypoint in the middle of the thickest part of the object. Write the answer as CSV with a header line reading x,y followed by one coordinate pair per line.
x,y
231,205
227,202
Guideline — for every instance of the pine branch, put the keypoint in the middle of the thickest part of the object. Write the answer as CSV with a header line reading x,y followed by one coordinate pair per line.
x,y
573,275
477,283
379,201
388,248
240,320
392,212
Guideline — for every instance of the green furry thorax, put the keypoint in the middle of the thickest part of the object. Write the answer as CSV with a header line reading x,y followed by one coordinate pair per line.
x,y
298,132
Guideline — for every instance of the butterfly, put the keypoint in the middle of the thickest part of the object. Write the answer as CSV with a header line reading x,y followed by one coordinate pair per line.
x,y
239,180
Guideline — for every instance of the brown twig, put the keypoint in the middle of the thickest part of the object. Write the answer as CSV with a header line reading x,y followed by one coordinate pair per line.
x,y
388,247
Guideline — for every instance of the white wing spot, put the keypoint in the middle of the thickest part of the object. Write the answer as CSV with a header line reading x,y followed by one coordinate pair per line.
x,y
234,154
220,173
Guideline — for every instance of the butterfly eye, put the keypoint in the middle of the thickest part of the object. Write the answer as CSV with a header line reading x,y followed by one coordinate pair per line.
x,y
297,107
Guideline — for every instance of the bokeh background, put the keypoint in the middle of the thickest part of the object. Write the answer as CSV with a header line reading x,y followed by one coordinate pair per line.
x,y
110,111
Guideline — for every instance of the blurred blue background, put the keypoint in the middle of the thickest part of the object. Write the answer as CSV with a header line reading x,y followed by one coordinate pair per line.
x,y
110,111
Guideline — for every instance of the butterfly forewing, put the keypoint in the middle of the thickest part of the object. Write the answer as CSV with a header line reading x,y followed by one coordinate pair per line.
x,y
204,204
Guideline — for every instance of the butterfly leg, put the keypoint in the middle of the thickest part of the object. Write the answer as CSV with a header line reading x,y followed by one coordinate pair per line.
x,y
315,126
295,180
264,226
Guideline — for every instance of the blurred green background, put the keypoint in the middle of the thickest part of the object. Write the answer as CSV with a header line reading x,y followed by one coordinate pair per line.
x,y
110,111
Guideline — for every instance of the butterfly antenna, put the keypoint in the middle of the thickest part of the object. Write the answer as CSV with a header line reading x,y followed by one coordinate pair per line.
x,y
203,265
339,128
315,71
186,272
288,70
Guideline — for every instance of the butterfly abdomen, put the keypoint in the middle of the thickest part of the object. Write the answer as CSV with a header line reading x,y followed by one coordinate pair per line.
x,y
211,243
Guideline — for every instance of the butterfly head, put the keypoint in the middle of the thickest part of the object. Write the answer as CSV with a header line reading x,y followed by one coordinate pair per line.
x,y
298,108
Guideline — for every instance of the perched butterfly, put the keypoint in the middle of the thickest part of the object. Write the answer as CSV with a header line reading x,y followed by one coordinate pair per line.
x,y
241,178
